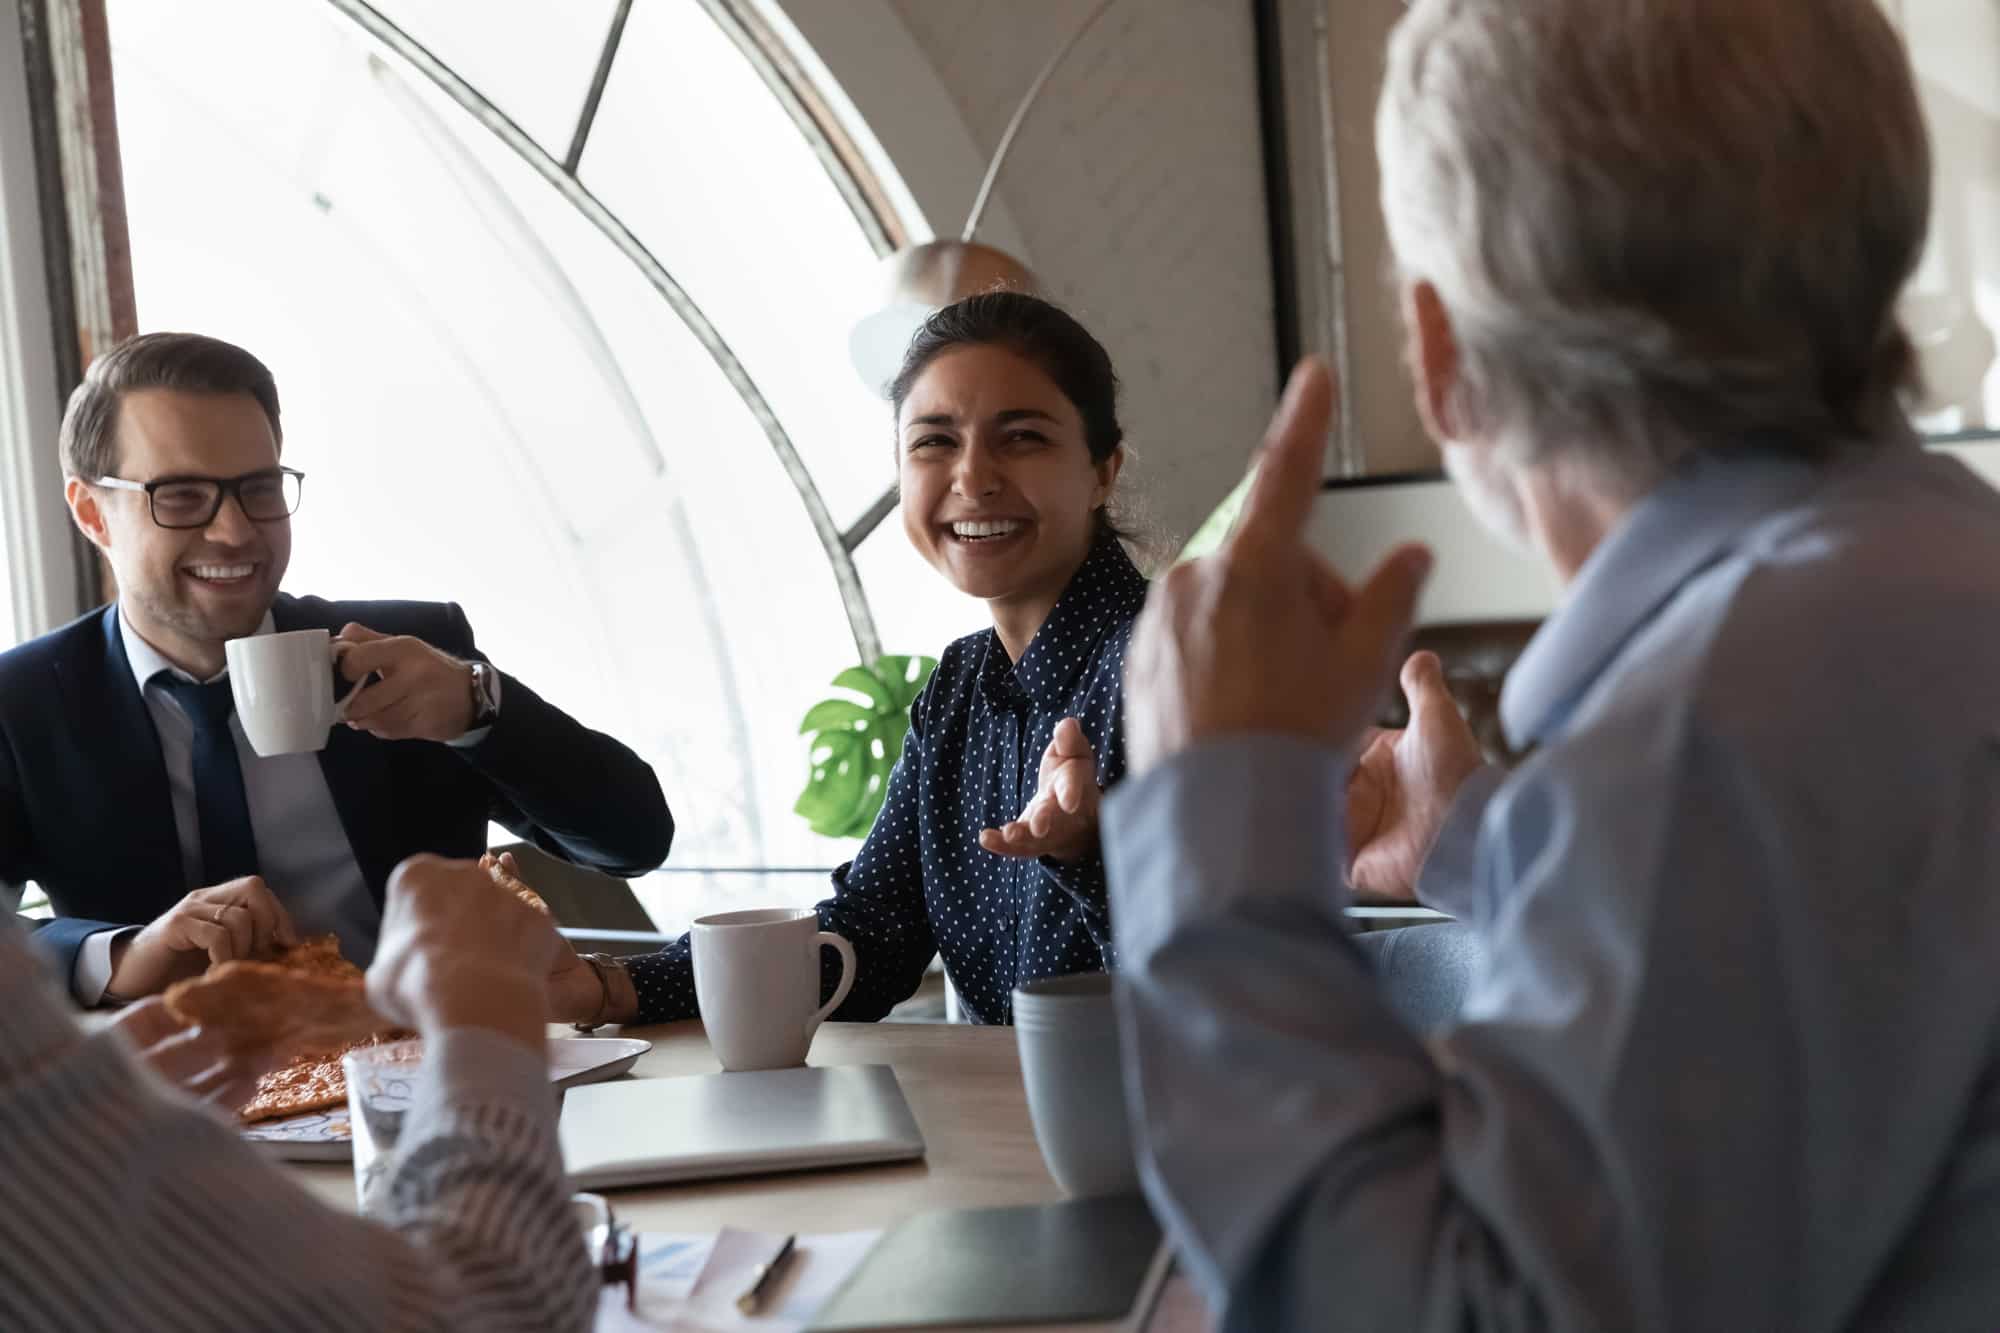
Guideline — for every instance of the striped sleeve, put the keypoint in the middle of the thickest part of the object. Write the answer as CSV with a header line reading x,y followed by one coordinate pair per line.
x,y
123,1205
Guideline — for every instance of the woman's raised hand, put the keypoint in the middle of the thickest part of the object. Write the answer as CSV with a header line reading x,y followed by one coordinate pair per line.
x,y
1061,822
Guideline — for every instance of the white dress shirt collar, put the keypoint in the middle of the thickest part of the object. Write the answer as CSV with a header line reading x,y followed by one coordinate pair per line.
x,y
148,661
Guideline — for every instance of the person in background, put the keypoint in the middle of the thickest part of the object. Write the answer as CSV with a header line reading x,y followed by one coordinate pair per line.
x,y
1731,1062
127,789
986,849
126,1205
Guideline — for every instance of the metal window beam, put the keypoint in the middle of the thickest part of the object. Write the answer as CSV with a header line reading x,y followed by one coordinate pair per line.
x,y
588,116
846,166
854,598
885,504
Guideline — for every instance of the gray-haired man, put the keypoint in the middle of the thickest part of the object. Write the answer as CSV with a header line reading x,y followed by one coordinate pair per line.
x,y
1733,1062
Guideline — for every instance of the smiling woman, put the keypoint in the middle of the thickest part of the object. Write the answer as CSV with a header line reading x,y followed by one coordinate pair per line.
x,y
986,850
1009,449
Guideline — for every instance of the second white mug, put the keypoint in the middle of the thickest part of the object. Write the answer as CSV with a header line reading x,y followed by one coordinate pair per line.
x,y
756,978
283,686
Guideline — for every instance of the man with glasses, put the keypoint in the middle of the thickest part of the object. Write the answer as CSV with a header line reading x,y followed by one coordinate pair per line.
x,y
127,789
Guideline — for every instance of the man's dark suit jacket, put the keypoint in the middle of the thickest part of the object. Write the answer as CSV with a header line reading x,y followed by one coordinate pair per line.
x,y
85,810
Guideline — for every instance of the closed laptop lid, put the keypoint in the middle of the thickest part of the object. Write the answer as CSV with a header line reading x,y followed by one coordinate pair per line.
x,y
711,1125
1079,1261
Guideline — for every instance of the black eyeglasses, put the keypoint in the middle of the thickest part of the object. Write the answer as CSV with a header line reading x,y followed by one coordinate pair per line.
x,y
193,502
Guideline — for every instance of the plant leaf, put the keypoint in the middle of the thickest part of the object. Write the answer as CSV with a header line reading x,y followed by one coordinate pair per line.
x,y
903,683
854,747
837,715
839,782
863,681
865,813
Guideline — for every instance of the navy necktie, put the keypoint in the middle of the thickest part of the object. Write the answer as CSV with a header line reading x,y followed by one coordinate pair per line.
x,y
228,847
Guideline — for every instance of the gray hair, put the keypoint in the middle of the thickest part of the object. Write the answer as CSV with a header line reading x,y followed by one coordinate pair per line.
x,y
1660,225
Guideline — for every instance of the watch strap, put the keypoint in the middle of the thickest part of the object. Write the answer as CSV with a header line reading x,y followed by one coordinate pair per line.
x,y
601,964
485,694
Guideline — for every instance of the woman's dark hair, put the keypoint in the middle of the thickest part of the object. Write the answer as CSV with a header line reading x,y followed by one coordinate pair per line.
x,y
1042,334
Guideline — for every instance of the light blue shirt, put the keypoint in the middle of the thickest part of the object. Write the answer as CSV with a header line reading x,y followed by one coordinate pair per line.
x,y
1734,1060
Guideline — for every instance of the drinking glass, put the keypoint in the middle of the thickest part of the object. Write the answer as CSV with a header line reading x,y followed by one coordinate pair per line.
x,y
381,1088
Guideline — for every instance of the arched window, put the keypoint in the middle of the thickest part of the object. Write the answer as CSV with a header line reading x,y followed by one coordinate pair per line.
x,y
559,327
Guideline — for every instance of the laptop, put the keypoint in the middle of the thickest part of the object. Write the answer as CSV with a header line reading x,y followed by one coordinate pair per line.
x,y
657,1130
1082,1261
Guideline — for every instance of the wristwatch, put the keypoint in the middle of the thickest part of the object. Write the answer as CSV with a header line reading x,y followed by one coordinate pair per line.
x,y
485,694
602,964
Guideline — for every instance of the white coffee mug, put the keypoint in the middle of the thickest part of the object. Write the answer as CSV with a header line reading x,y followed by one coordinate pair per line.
x,y
283,685
756,977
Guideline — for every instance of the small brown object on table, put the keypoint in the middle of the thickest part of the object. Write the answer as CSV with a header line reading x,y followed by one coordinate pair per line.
x,y
268,1006
306,999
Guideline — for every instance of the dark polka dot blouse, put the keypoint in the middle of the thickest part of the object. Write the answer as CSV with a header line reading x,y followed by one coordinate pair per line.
x,y
921,884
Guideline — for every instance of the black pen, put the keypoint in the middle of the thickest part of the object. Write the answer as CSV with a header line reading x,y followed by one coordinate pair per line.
x,y
767,1277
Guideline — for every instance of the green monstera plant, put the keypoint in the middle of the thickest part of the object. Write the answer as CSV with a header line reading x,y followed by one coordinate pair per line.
x,y
855,745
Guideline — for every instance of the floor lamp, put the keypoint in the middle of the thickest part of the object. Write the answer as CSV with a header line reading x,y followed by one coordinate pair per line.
x,y
919,280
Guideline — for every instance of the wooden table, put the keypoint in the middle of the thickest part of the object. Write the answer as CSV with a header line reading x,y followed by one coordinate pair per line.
x,y
962,1082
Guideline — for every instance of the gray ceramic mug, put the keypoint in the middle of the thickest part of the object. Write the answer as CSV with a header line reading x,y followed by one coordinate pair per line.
x,y
1067,1030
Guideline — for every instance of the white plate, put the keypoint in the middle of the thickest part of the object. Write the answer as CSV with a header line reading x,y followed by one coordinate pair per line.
x,y
575,1061
327,1136
316,1136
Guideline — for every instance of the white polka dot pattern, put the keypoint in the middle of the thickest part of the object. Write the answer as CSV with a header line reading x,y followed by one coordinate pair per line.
x,y
921,884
